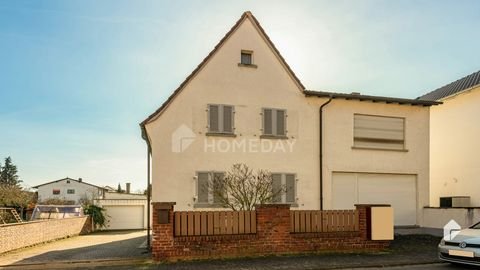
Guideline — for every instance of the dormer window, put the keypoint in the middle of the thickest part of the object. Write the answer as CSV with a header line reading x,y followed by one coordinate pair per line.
x,y
246,59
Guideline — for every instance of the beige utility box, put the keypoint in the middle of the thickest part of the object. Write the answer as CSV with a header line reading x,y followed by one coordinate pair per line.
x,y
381,226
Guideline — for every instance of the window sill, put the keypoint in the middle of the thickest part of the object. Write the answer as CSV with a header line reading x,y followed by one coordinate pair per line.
x,y
247,65
379,149
220,134
291,204
207,205
273,137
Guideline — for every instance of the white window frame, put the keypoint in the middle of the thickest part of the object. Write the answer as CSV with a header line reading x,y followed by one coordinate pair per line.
x,y
284,184
221,128
210,202
274,122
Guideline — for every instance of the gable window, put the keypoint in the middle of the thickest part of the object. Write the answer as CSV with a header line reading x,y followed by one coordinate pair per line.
x,y
284,188
220,119
56,191
70,191
379,132
208,189
246,57
274,122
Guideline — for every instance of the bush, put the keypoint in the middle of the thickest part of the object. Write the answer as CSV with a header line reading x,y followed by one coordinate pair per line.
x,y
97,214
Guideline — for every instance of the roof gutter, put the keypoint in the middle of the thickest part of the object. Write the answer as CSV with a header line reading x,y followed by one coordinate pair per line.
x,y
320,126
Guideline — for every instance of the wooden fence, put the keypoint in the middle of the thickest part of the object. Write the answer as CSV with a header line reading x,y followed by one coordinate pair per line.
x,y
190,223
305,221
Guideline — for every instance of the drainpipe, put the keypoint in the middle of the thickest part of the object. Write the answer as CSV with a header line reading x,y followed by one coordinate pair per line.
x,y
320,124
149,192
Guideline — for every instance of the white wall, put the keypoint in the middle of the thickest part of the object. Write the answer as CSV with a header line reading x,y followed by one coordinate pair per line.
x,y
81,190
439,217
455,148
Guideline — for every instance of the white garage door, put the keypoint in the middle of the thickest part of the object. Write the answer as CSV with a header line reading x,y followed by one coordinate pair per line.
x,y
124,217
398,190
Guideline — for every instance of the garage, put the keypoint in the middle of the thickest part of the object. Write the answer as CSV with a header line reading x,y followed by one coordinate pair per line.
x,y
124,217
399,190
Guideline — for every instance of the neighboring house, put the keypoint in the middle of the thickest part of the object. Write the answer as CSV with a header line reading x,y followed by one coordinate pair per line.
x,y
454,144
70,190
244,104
124,210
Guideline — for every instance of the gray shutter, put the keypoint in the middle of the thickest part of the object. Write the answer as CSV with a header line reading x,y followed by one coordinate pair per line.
x,y
277,188
280,123
218,186
290,188
202,187
267,122
213,115
228,119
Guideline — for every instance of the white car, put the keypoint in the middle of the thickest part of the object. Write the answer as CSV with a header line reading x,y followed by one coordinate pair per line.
x,y
463,248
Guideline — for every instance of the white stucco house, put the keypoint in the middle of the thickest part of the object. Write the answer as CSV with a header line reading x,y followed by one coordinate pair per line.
x,y
69,189
244,104
454,144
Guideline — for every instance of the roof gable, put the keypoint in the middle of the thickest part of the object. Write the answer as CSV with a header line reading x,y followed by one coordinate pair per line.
x,y
453,88
68,179
245,16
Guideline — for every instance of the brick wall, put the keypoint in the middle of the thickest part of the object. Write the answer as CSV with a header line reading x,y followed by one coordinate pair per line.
x,y
18,235
273,237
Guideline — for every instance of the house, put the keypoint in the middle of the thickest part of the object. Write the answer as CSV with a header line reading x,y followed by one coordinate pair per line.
x,y
454,146
68,189
244,104
125,210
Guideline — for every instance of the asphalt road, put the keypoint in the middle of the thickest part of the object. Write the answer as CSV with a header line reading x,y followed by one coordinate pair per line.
x,y
440,266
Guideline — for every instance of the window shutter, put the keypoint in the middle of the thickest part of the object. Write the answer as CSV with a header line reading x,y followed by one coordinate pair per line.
x,y
202,187
217,186
228,119
290,188
213,115
267,122
280,123
379,132
277,188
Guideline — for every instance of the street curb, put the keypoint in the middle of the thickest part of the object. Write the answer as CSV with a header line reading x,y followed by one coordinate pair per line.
x,y
76,264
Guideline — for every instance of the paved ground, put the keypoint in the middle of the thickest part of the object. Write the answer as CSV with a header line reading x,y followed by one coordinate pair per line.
x,y
95,246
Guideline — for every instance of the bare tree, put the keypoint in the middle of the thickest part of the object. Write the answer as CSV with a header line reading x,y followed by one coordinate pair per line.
x,y
242,189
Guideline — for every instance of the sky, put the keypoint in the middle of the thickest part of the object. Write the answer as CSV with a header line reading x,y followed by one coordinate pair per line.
x,y
77,77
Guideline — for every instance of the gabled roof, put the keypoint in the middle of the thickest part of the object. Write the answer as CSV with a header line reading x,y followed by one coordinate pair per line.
x,y
68,178
360,97
453,88
246,15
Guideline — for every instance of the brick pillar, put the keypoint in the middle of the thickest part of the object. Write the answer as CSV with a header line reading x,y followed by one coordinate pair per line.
x,y
162,230
364,220
273,226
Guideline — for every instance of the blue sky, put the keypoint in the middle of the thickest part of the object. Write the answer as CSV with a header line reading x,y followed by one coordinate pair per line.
x,y
78,76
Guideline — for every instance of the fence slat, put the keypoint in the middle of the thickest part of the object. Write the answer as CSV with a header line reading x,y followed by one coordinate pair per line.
x,y
216,223
247,222
235,222
203,223
241,222
176,220
196,222
253,219
210,229
190,223
183,218
308,221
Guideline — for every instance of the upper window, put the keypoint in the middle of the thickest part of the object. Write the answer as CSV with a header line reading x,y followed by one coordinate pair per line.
x,y
379,132
246,58
70,191
284,188
56,191
220,119
274,122
208,188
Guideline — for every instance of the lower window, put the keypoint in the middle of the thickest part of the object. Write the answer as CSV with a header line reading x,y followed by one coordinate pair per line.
x,y
208,191
284,188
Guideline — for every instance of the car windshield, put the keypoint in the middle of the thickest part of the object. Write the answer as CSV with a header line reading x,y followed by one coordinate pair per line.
x,y
476,226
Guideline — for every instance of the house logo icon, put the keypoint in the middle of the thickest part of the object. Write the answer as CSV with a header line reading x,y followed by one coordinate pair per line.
x,y
182,138
450,230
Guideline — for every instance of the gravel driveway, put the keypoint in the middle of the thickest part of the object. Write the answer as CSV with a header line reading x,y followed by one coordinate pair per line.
x,y
95,246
